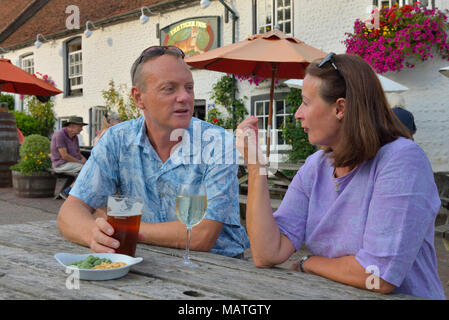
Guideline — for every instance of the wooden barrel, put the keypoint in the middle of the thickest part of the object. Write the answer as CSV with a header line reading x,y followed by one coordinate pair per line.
x,y
9,147
36,186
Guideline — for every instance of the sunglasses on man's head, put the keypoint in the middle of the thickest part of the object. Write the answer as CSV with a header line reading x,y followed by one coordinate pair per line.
x,y
330,58
155,51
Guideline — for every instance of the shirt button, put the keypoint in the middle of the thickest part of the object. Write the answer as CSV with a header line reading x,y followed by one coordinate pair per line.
x,y
159,165
162,195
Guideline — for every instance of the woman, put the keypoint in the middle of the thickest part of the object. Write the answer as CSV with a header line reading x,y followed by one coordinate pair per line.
x,y
365,203
108,122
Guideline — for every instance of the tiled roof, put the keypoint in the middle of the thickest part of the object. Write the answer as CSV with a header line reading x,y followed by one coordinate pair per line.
x,y
51,18
10,10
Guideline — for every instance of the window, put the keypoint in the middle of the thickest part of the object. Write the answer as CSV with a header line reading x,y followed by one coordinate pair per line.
x,y
73,67
270,13
28,63
61,123
389,3
280,114
96,115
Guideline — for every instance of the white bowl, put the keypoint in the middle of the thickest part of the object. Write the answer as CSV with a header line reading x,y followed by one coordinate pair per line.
x,y
98,274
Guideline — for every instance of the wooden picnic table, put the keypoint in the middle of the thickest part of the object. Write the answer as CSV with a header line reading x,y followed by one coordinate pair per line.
x,y
28,270
85,151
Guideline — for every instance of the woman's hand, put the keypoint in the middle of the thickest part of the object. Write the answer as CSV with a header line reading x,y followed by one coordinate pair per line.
x,y
247,134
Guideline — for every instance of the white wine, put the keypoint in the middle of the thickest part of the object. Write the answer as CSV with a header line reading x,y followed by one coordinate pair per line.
x,y
191,209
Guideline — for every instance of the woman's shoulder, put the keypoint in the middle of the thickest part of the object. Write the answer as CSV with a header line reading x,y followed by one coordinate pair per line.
x,y
402,152
314,163
399,148
316,159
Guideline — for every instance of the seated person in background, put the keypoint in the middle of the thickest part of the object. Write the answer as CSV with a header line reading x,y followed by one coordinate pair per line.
x,y
364,205
112,119
141,158
65,150
397,104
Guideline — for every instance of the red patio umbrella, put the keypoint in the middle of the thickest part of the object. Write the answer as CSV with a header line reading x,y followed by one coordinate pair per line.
x,y
269,55
15,80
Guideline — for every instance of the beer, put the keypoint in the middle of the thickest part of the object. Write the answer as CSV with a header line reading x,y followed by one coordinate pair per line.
x,y
124,215
126,230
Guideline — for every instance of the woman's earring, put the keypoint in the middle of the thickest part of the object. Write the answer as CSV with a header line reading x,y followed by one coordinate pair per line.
x,y
338,118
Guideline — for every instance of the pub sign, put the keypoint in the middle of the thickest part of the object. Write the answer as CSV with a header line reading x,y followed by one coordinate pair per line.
x,y
193,35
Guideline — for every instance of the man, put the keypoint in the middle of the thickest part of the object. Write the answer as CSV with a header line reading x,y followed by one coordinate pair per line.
x,y
141,158
65,150
397,104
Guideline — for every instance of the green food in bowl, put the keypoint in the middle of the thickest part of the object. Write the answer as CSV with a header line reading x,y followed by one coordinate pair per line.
x,y
89,262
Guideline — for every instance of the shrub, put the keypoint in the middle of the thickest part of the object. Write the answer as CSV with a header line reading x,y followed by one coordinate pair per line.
x,y
35,144
9,99
34,155
293,133
222,95
43,113
121,101
27,123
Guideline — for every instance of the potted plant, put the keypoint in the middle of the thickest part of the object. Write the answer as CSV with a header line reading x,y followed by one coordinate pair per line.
x,y
29,177
400,36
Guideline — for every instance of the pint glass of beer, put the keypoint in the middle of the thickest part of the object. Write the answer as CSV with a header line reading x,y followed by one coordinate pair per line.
x,y
124,215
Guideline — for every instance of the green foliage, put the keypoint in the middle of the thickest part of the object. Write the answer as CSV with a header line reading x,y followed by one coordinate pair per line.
x,y
9,99
35,144
121,101
293,133
34,155
222,95
26,123
43,113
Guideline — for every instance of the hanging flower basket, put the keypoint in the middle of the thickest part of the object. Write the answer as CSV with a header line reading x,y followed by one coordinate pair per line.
x,y
397,36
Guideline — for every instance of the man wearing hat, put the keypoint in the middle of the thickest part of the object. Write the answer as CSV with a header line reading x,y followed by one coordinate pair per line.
x,y
65,150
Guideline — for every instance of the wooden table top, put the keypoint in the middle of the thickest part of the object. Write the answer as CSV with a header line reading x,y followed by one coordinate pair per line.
x,y
28,270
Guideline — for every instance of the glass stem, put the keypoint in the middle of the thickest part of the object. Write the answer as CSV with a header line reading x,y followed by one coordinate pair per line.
x,y
187,253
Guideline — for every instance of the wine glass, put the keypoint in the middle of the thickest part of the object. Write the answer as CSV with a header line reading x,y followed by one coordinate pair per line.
x,y
191,204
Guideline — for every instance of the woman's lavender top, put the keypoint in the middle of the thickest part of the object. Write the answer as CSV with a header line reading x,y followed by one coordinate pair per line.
x,y
383,214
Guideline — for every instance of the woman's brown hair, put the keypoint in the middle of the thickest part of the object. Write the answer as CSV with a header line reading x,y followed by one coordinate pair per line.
x,y
368,122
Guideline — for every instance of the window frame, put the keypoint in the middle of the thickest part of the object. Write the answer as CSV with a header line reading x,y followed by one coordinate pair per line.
x,y
74,64
380,4
24,58
274,17
265,99
76,90
96,115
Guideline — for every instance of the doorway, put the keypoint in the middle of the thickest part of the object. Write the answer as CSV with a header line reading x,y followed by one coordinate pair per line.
x,y
200,109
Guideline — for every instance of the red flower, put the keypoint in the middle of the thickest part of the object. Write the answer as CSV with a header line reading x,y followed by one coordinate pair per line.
x,y
215,120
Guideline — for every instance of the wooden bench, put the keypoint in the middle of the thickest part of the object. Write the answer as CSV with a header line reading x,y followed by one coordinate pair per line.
x,y
68,180
442,182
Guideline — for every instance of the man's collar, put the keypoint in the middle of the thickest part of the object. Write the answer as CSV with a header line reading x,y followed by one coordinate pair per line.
x,y
143,141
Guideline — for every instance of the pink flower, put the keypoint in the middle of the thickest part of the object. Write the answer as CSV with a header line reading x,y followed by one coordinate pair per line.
x,y
405,31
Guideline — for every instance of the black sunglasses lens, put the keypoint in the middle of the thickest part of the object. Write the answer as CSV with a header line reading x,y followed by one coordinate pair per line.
x,y
330,58
327,59
159,51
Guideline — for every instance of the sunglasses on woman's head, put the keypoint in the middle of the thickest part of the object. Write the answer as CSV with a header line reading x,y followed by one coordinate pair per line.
x,y
330,58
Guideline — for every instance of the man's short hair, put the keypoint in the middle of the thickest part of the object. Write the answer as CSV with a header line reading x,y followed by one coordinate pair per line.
x,y
136,69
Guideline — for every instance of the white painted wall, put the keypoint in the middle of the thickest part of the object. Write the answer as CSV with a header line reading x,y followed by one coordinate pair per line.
x,y
109,53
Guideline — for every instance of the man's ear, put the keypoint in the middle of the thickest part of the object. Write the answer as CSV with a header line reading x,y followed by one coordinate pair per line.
x,y
137,96
340,108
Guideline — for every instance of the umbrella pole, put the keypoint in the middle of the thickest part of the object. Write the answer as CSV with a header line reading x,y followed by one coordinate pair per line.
x,y
274,67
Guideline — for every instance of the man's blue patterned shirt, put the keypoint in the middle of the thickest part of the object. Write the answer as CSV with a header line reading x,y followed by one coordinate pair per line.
x,y
125,162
